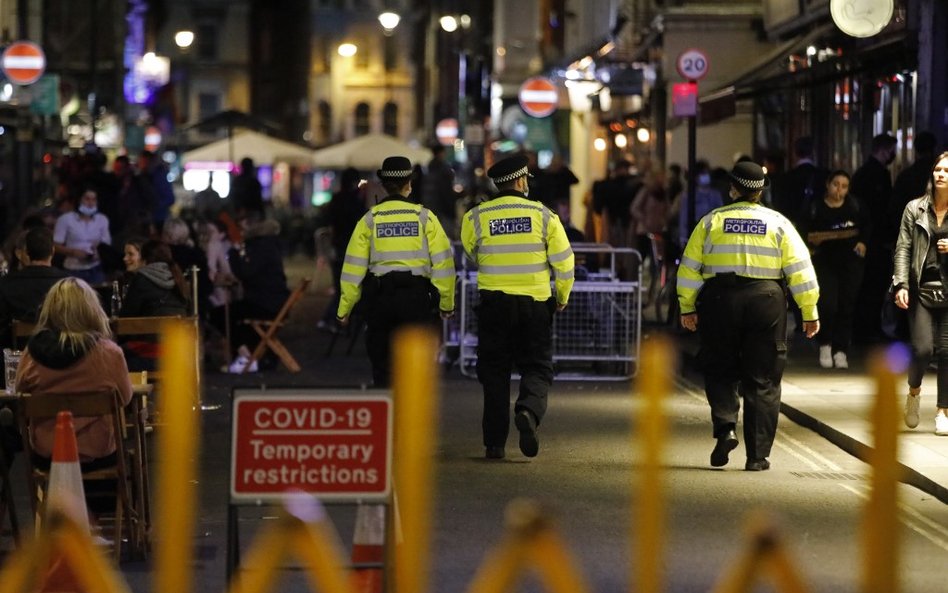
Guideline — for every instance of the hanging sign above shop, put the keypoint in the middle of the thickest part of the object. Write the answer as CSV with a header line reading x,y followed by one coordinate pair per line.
x,y
861,18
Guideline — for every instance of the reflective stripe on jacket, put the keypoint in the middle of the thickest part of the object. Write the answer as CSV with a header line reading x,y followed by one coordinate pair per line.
x,y
751,241
397,236
516,242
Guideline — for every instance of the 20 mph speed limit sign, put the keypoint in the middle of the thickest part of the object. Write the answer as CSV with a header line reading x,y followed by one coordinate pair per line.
x,y
692,64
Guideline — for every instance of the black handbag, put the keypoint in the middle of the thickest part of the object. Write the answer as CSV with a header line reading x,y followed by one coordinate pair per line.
x,y
933,298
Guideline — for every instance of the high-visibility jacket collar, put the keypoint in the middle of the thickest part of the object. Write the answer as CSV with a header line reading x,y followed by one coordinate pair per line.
x,y
398,197
512,193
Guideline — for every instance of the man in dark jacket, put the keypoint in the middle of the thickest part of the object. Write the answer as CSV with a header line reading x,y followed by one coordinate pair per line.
x,y
802,184
22,292
872,186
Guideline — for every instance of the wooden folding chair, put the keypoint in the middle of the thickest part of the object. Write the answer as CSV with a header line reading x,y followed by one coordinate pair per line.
x,y
82,405
267,330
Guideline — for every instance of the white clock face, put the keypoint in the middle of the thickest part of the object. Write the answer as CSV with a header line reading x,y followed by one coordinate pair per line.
x,y
861,18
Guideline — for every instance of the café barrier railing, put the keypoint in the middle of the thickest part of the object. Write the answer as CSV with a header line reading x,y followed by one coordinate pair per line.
x,y
531,541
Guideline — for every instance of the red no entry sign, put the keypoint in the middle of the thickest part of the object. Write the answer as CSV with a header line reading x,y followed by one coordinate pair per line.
x,y
23,62
333,446
538,97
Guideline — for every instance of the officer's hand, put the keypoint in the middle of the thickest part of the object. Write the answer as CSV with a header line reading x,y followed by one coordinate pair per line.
x,y
560,307
811,328
447,314
689,321
901,298
343,321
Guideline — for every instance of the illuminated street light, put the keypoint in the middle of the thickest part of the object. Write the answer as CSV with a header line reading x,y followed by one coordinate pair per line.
x,y
621,141
599,144
184,39
389,20
643,135
449,23
347,50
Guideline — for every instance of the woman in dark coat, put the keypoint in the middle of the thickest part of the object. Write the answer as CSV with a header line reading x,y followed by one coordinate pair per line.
x,y
258,264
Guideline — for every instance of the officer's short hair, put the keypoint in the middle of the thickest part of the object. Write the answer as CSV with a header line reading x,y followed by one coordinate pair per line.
x,y
393,185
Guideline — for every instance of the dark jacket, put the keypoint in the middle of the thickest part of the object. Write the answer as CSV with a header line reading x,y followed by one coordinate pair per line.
x,y
152,293
259,267
22,293
872,184
912,246
796,189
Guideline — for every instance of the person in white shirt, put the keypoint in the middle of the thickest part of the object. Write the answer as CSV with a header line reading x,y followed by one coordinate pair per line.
x,y
78,235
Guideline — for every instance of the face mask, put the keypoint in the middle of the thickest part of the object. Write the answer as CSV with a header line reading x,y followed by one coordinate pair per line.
x,y
704,179
88,210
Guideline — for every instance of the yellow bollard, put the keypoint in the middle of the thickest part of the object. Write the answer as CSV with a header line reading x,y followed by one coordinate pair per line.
x,y
881,523
174,522
415,399
648,526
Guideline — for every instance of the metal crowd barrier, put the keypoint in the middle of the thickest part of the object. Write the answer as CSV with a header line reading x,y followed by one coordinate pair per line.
x,y
597,336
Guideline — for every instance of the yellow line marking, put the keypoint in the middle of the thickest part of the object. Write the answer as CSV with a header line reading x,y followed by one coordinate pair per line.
x,y
917,522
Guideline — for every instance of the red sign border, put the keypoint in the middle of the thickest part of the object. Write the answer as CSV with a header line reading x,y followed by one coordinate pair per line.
x,y
328,395
682,54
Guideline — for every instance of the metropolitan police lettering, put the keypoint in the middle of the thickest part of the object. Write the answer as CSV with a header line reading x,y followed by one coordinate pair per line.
x,y
396,229
745,226
510,226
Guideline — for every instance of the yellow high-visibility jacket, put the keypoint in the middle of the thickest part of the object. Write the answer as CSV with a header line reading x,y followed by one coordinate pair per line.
x,y
397,236
516,242
752,241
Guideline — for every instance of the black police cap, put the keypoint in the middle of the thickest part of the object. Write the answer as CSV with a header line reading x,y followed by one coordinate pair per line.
x,y
395,167
748,177
509,169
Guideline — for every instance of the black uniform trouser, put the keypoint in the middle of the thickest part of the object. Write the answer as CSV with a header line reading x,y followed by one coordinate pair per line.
x,y
513,330
392,301
743,324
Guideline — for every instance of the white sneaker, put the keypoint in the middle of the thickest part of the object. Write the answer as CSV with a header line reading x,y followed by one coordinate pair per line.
x,y
911,409
826,357
840,361
239,363
941,425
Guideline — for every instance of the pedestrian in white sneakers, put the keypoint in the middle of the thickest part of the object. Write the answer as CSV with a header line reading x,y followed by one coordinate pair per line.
x,y
921,286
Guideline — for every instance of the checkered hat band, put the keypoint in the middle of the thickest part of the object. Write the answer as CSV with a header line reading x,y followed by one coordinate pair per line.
x,y
750,183
511,176
405,173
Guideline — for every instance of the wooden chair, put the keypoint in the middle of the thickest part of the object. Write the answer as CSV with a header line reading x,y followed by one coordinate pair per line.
x,y
267,330
21,332
83,405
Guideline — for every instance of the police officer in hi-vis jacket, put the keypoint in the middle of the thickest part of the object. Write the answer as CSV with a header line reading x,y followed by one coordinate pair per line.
x,y
731,282
399,259
518,243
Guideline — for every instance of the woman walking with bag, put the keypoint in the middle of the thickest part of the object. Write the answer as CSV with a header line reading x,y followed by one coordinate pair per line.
x,y
921,286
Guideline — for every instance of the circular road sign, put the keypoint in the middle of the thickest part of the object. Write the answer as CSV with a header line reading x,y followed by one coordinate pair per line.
x,y
447,131
692,64
23,62
538,97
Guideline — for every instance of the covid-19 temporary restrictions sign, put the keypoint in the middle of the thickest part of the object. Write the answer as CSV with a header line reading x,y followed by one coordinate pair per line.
x,y
333,444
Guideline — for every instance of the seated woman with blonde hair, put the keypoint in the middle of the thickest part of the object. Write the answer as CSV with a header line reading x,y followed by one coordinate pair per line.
x,y
71,351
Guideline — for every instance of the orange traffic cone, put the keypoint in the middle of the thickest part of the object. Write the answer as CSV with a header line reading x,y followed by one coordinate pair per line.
x,y
65,494
368,547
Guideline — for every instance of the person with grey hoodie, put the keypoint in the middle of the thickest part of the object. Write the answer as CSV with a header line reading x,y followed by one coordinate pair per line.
x,y
156,289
